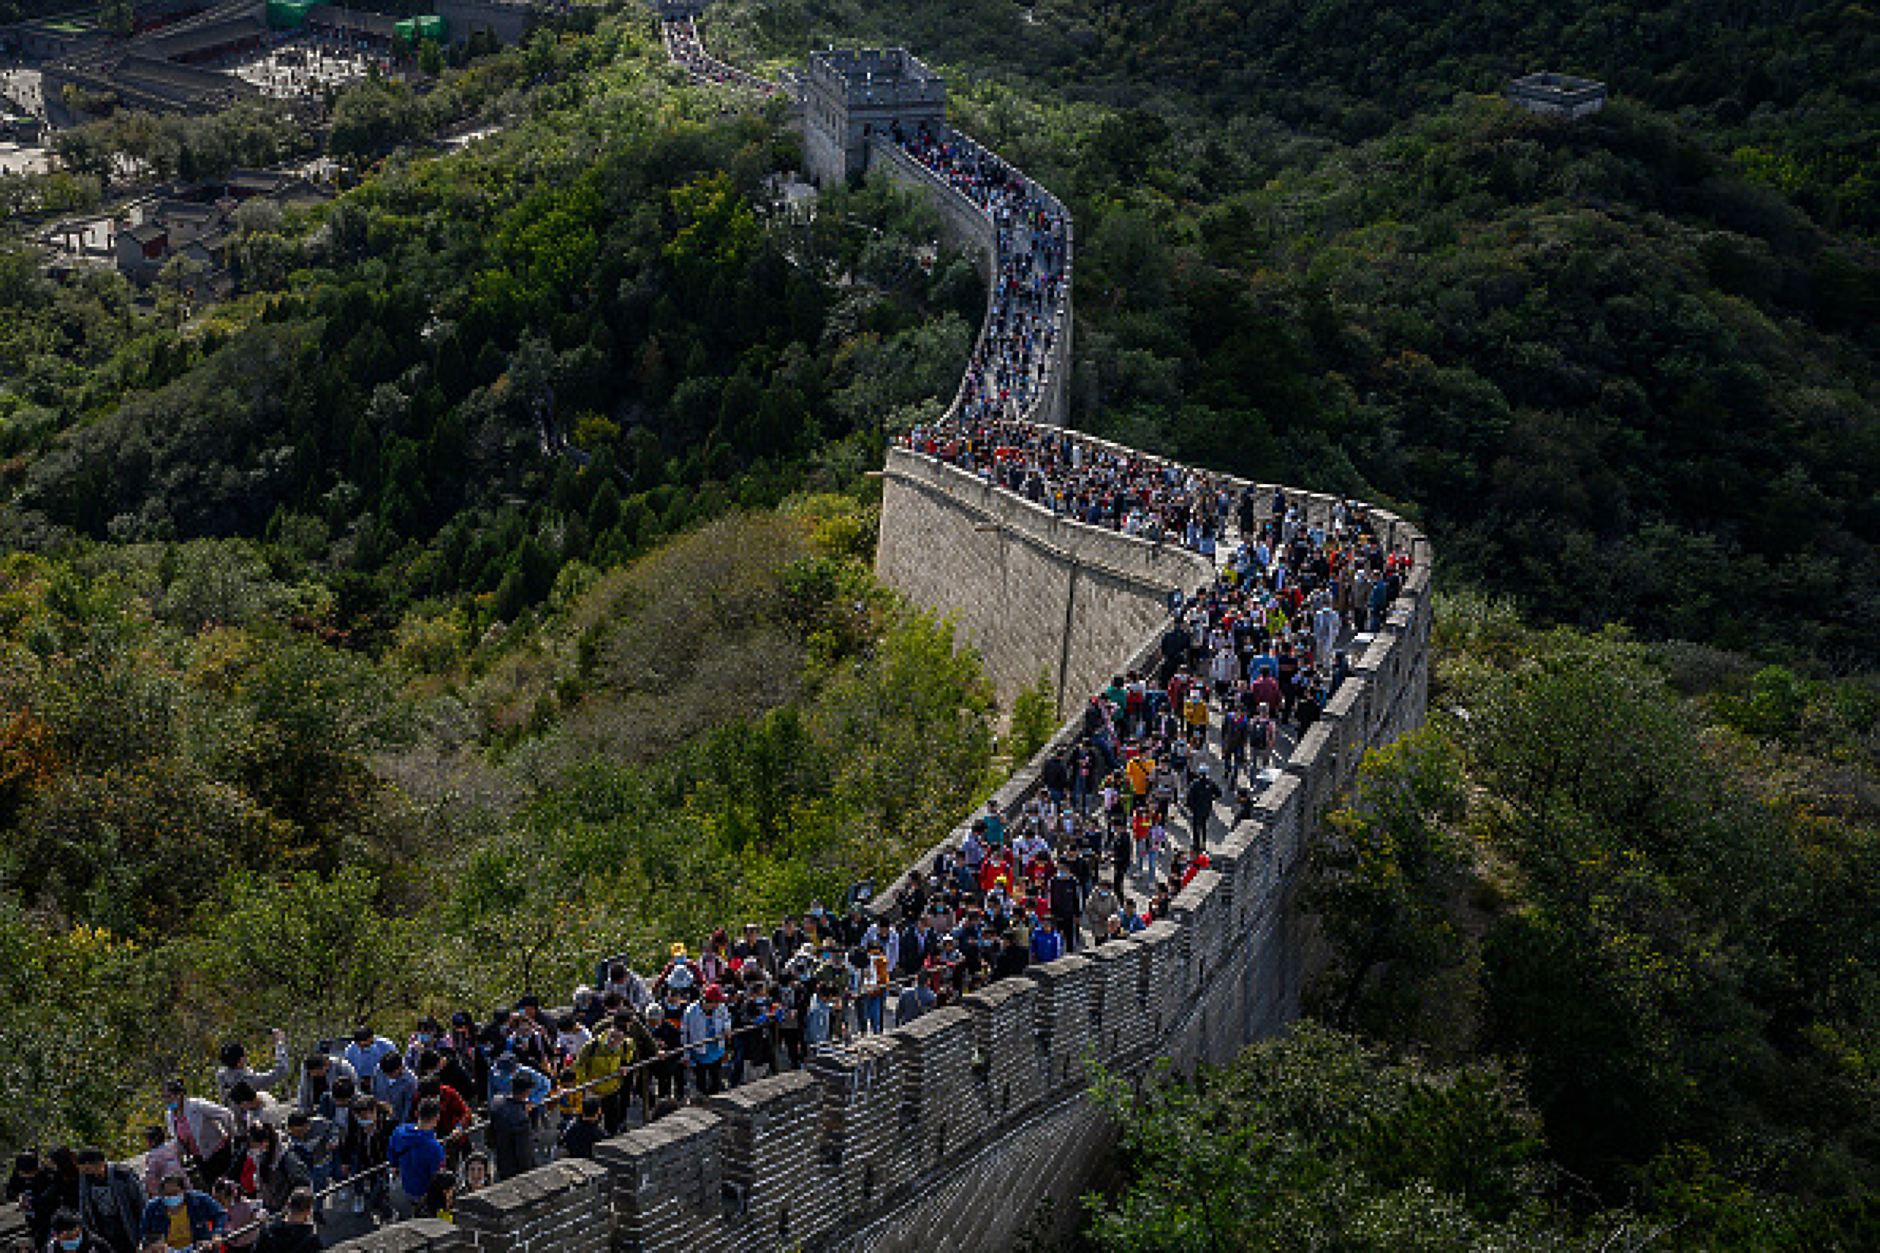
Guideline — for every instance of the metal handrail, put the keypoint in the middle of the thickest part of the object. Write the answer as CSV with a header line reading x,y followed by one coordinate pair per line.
x,y
477,1124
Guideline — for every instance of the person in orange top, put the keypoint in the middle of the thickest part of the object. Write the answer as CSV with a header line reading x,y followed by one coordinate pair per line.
x,y
1140,771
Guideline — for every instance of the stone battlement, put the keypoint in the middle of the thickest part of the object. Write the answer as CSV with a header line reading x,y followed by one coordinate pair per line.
x,y
948,1133
850,96
1558,95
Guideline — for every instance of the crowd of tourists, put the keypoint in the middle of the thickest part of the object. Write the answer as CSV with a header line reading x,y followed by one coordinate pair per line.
x,y
687,51
1011,362
1123,819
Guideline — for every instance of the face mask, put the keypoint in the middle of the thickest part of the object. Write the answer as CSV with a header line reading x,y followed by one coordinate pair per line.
x,y
424,1039
69,1245
173,1106
172,1201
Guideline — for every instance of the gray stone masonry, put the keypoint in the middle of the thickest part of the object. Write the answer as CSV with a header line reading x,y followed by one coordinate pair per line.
x,y
948,1133
1005,1046
423,1235
1067,996
942,1107
1558,95
851,95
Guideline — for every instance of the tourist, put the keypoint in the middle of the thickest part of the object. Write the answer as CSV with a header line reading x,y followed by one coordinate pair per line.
x,y
293,1231
111,1201
181,1217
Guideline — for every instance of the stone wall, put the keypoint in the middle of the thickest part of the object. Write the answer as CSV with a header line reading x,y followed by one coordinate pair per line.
x,y
1035,593
952,1133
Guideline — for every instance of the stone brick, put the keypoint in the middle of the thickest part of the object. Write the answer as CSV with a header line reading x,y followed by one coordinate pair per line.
x,y
667,1184
1121,1021
422,1235
860,1118
942,1103
770,1130
1067,997
1005,1046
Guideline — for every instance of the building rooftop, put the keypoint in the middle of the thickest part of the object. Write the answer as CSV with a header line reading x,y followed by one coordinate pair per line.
x,y
1558,92
860,65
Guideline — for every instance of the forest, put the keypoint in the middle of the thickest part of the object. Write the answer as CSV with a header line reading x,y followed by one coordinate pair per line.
x,y
1617,372
483,590
485,586
1602,976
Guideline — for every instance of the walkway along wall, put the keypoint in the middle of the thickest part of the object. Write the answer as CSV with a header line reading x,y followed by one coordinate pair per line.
x,y
948,1133
965,226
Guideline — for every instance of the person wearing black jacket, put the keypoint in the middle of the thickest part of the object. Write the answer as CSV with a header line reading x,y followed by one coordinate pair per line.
x,y
1008,958
293,1232
1056,777
1175,645
911,901
1122,852
368,1132
111,1200
1067,904
34,1187
1202,793
579,1137
67,1234
470,1057
511,1135
911,954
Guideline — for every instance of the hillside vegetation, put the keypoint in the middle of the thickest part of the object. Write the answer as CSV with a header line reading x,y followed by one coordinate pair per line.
x,y
455,606
209,812
1617,372
483,590
1603,975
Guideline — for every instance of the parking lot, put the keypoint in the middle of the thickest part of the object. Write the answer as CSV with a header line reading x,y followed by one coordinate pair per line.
x,y
308,65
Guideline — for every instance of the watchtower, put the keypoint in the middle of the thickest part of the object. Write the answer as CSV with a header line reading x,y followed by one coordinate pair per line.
x,y
1558,95
849,96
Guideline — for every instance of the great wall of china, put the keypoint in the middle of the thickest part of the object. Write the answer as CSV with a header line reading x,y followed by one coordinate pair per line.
x,y
954,1131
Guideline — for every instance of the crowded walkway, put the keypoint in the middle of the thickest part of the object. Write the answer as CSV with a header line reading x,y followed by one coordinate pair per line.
x,y
390,1120
687,51
1011,363
379,1124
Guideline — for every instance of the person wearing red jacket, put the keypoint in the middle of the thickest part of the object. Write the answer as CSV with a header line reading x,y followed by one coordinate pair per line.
x,y
996,866
453,1110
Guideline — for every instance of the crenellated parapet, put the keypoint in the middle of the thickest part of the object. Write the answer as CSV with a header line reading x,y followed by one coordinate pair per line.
x,y
949,1132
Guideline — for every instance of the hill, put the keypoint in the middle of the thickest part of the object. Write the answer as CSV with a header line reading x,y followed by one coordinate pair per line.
x,y
1615,371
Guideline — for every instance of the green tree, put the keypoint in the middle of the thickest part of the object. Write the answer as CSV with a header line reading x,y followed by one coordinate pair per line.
x,y
1387,882
1034,718
1316,1140
314,954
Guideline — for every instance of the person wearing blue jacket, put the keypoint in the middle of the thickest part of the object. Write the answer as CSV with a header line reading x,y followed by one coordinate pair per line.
x,y
416,1155
1046,944
180,1217
503,1074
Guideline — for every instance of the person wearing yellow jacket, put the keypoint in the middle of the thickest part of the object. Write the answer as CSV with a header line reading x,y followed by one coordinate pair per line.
x,y
600,1062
